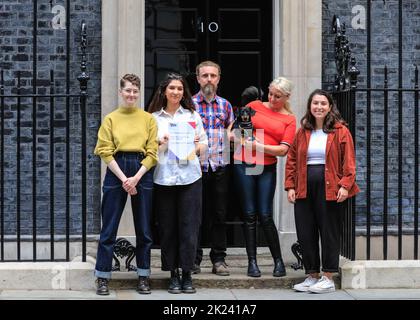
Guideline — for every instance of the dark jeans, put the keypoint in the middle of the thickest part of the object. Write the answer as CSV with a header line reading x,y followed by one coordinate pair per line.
x,y
113,202
256,192
215,201
314,217
178,210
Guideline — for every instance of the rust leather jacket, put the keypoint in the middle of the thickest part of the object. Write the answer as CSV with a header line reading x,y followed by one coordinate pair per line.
x,y
340,166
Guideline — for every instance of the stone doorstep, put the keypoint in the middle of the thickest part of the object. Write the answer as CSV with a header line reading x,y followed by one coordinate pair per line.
x,y
79,276
375,274
206,279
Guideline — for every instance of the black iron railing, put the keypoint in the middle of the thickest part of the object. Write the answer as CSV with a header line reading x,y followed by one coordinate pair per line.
x,y
402,104
13,99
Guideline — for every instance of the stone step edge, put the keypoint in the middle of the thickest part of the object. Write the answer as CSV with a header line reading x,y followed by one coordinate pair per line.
x,y
206,279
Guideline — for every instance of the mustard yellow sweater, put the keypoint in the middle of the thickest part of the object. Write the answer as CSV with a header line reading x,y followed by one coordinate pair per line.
x,y
130,130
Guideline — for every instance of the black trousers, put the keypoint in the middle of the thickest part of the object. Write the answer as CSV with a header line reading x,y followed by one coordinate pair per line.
x,y
215,202
178,210
315,217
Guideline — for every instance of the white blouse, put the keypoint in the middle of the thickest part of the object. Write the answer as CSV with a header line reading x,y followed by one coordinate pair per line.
x,y
169,171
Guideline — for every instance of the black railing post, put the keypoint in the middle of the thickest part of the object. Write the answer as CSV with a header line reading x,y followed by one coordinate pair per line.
x,y
385,181
83,80
52,165
18,164
416,162
345,85
2,167
34,129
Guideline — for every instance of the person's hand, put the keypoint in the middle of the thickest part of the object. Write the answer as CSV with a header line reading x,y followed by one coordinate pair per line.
x,y
235,137
252,144
342,194
132,192
291,195
130,184
197,146
164,140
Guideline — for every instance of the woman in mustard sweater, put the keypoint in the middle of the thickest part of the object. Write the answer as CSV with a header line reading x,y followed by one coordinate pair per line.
x,y
127,143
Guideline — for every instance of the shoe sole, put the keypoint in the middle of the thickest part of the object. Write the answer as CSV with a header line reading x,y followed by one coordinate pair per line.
x,y
322,291
189,291
254,275
278,275
102,293
223,274
175,291
301,289
144,292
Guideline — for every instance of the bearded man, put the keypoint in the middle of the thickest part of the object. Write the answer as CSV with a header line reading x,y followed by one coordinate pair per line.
x,y
216,114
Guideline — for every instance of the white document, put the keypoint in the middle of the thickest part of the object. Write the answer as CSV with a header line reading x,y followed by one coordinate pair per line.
x,y
181,140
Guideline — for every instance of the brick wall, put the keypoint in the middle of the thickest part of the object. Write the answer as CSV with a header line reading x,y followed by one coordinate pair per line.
x,y
16,53
384,51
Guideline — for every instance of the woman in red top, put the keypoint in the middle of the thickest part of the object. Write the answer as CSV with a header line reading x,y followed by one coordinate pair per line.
x,y
320,176
255,170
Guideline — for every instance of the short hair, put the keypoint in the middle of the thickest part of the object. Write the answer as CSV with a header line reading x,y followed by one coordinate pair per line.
x,y
130,77
250,94
285,86
207,63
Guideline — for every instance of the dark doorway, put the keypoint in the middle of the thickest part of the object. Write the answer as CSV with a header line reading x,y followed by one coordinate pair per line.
x,y
235,33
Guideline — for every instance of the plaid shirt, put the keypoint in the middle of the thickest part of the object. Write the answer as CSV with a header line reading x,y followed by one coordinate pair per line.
x,y
216,116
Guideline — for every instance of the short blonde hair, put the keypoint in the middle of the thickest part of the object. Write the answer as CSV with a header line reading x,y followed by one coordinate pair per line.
x,y
286,87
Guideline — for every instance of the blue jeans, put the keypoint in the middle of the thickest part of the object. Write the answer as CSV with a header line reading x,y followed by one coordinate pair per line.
x,y
256,192
113,203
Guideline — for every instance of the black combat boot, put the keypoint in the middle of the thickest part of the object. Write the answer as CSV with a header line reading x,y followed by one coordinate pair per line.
x,y
174,282
102,286
187,286
143,286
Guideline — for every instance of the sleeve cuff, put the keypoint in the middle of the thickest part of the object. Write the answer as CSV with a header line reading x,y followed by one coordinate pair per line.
x,y
108,159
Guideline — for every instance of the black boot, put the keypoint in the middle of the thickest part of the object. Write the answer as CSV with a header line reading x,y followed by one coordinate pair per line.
x,y
272,238
102,286
174,282
187,286
250,231
143,285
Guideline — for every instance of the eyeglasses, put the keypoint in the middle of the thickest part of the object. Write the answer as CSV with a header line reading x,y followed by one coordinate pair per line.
x,y
131,91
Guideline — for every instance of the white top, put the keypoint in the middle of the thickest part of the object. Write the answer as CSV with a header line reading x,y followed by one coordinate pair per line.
x,y
317,146
169,171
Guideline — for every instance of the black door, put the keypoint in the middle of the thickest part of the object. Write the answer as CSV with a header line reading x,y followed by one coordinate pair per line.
x,y
237,34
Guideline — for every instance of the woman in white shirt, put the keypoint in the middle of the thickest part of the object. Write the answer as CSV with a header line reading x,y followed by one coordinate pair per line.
x,y
177,178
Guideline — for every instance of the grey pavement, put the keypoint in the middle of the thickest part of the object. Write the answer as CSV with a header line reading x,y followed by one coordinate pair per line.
x,y
214,294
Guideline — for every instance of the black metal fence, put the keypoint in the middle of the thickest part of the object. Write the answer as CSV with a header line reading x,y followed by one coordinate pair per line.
x,y
392,169
15,191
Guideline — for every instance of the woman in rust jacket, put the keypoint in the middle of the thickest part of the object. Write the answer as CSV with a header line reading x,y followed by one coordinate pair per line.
x,y
320,176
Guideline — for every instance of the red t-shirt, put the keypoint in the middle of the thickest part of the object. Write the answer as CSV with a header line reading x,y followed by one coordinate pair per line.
x,y
270,128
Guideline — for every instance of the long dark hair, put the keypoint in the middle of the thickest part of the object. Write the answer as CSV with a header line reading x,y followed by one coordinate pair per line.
x,y
159,100
308,121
